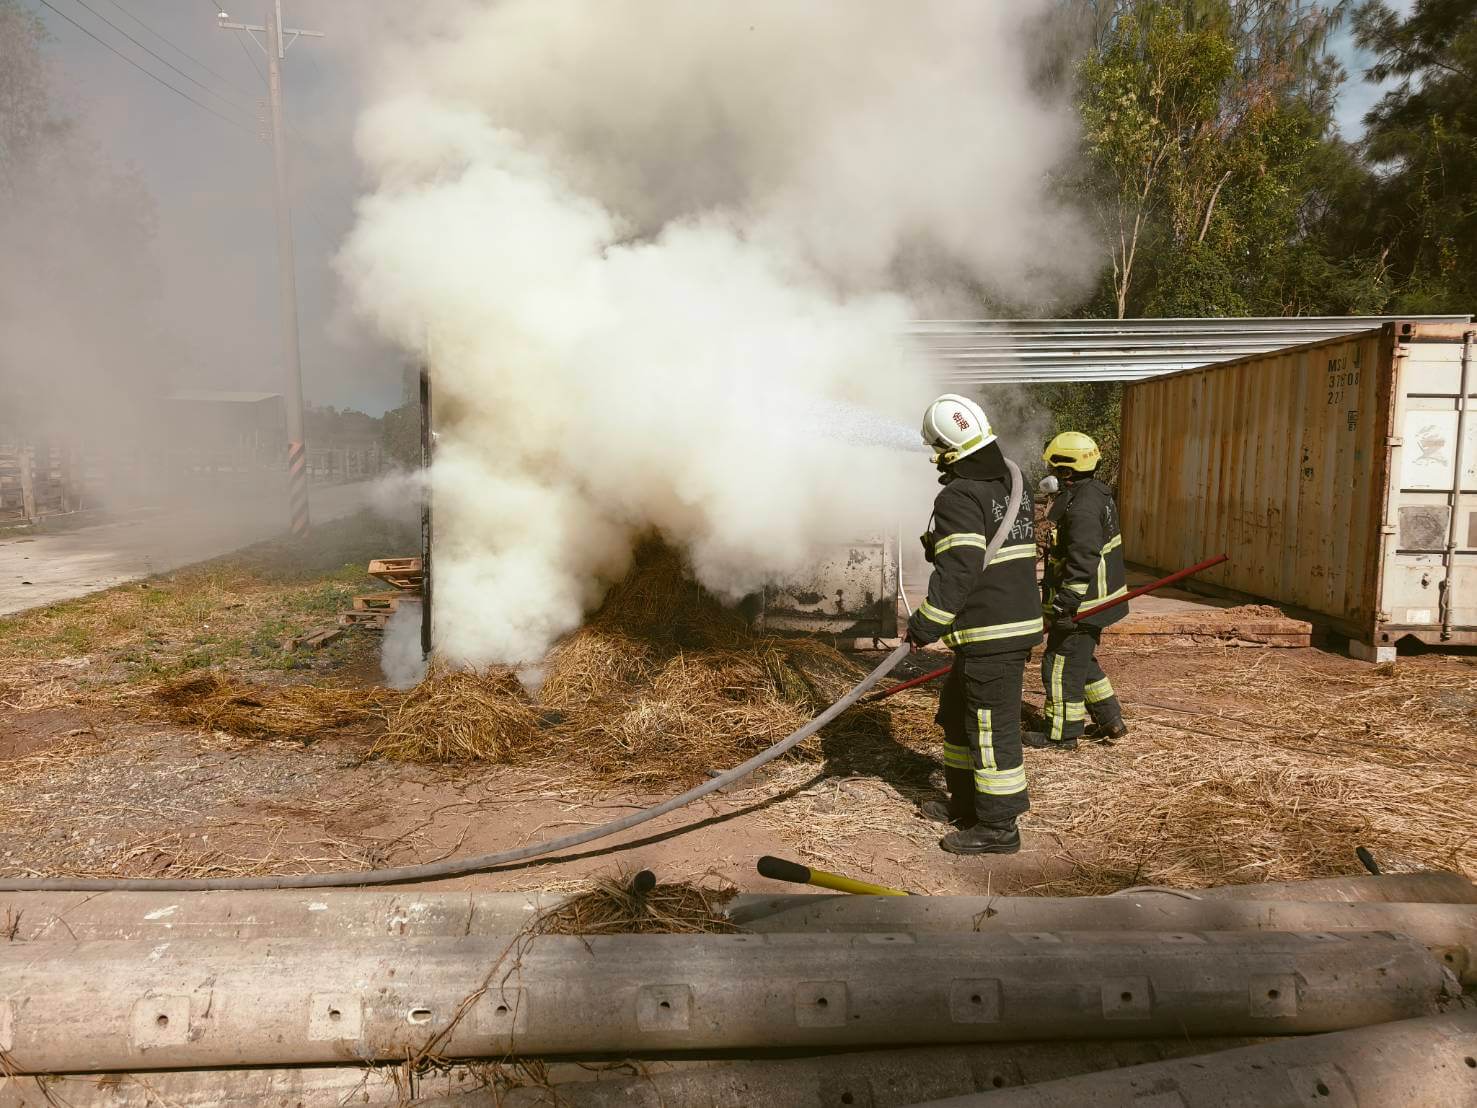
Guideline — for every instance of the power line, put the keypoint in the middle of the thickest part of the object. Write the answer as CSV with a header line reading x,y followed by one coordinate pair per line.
x,y
152,54
255,65
144,70
179,50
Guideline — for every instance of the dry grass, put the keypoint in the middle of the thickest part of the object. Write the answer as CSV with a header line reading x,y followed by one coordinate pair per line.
x,y
230,612
613,906
662,684
215,701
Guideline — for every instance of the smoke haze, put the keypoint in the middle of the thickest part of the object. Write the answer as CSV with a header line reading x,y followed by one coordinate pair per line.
x,y
664,256
137,246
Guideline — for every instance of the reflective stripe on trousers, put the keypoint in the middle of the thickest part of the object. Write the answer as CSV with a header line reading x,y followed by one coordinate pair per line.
x,y
1075,685
979,710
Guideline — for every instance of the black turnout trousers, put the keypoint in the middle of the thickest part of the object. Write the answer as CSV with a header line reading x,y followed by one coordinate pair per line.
x,y
980,712
1076,686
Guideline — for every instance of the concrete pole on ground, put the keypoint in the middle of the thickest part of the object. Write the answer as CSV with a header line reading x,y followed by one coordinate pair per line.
x,y
77,1007
1415,1062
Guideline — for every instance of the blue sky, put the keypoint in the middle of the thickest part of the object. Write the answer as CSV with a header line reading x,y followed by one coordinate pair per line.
x,y
1358,95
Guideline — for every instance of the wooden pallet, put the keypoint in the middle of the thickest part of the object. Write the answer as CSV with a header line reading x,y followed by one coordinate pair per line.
x,y
374,621
1235,625
312,640
378,602
401,573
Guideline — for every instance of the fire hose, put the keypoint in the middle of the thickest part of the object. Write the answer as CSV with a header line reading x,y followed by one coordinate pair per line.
x,y
932,675
458,867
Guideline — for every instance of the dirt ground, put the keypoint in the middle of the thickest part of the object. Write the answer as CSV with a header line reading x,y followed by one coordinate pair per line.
x,y
1244,764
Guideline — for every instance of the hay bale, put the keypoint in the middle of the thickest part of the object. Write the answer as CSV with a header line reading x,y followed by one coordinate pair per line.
x,y
217,701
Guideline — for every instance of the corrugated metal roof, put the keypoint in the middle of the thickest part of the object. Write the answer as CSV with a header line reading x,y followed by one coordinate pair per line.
x,y
1005,351
213,397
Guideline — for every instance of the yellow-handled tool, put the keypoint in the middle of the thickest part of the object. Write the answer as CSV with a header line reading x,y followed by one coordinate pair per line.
x,y
778,869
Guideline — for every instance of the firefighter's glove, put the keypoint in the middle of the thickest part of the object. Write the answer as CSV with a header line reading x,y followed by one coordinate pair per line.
x,y
1063,607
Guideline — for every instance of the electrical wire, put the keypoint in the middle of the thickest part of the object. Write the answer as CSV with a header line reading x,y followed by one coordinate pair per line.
x,y
180,50
255,65
153,54
144,69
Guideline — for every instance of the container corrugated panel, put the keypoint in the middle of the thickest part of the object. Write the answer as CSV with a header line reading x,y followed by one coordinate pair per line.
x,y
1291,463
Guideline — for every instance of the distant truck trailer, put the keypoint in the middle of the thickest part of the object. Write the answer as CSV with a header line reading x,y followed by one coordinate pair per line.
x,y
1340,476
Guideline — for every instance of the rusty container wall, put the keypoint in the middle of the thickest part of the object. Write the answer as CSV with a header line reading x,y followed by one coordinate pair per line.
x,y
1277,460
1293,463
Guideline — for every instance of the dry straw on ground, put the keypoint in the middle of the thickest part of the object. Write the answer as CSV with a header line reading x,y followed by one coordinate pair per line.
x,y
1242,767
613,906
216,701
1326,761
458,716
662,684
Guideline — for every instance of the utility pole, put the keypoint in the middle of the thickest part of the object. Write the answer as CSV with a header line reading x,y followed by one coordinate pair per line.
x,y
276,50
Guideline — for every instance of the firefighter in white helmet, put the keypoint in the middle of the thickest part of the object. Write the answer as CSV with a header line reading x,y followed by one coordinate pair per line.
x,y
1084,567
990,616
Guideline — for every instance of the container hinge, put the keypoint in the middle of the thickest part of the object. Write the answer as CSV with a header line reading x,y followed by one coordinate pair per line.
x,y
1382,617
1394,440
1387,529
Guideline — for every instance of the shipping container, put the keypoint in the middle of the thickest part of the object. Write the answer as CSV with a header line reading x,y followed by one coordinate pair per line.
x,y
1328,473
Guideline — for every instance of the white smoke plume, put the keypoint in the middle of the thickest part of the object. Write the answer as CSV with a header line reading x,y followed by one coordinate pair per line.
x,y
665,254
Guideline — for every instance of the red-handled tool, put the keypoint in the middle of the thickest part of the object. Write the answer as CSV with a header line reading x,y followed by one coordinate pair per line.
x,y
1124,599
1159,584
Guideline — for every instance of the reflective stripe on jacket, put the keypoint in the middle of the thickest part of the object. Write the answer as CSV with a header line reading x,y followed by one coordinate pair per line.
x,y
974,608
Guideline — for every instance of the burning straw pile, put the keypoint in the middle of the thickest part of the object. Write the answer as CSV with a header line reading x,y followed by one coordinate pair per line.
x,y
661,684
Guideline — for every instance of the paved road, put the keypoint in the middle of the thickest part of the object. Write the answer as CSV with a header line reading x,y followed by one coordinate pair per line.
x,y
44,568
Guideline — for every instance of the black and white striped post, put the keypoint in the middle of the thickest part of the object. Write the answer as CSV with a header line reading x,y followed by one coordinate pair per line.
x,y
297,486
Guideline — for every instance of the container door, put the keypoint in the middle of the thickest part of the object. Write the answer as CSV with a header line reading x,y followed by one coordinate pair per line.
x,y
1430,571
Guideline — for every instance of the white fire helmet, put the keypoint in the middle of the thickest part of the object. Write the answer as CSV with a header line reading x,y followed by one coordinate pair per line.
x,y
955,427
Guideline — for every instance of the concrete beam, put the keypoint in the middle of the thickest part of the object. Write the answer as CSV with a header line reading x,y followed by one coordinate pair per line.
x,y
1427,1062
1449,931
1431,886
876,1079
67,1008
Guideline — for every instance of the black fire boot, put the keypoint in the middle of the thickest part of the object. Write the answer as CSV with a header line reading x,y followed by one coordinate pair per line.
x,y
1038,740
983,838
959,808
1109,733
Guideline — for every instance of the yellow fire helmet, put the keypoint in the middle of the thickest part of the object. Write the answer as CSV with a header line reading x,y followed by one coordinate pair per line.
x,y
1074,450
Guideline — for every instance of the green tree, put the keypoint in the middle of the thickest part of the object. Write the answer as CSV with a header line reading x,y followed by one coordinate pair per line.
x,y
1212,163
1149,109
1422,136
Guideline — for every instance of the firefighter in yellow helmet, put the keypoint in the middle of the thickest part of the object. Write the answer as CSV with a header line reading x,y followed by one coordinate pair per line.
x,y
1084,568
